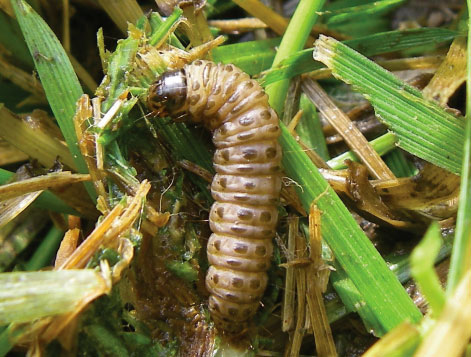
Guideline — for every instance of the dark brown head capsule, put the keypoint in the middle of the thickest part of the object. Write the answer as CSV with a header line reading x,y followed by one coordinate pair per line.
x,y
167,94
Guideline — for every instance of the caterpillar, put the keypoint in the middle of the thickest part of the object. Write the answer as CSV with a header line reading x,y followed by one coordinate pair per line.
x,y
247,183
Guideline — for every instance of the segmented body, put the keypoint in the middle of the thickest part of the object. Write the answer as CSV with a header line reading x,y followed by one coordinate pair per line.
x,y
247,183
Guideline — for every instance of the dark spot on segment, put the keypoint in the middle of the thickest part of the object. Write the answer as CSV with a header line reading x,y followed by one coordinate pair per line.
x,y
265,114
270,153
232,311
265,216
244,214
245,136
216,307
198,63
237,282
249,185
230,296
246,120
233,263
194,99
241,248
215,279
196,86
217,89
237,229
229,68
223,129
254,284
274,128
223,182
260,94
261,250
220,211
249,154
210,104
275,168
249,84
225,154
217,245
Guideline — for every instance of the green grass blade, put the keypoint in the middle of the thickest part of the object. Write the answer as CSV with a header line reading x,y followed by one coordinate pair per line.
x,y
461,255
301,62
57,76
422,127
165,27
27,296
357,13
423,272
46,251
377,285
252,57
293,40
399,165
12,39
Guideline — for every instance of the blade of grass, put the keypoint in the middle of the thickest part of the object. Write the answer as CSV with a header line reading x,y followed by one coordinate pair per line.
x,y
360,12
461,254
422,127
252,57
57,76
378,287
293,40
384,42
46,250
422,269
46,200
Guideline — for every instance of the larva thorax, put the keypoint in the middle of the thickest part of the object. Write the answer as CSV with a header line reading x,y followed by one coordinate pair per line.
x,y
246,185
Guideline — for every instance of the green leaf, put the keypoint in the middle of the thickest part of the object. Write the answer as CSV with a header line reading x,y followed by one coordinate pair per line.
x,y
422,127
252,56
27,296
57,76
377,286
301,62
461,256
422,268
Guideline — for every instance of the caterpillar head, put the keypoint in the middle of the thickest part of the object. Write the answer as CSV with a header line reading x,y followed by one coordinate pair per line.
x,y
167,95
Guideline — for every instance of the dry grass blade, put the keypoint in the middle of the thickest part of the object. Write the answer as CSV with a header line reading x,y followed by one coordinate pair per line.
x,y
9,209
350,133
273,20
238,25
86,141
67,247
317,279
289,292
9,154
451,333
33,141
118,221
450,75
40,183
390,343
